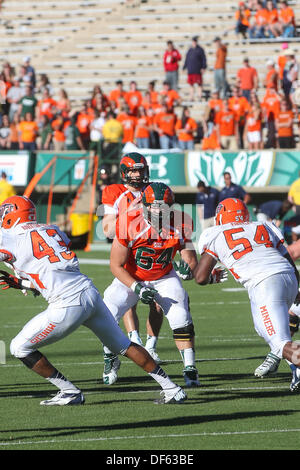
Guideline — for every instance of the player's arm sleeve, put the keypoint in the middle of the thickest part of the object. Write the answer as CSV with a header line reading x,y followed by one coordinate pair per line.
x,y
277,237
5,255
122,230
206,245
108,201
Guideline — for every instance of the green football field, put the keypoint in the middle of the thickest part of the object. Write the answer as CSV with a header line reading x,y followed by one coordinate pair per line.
x,y
232,410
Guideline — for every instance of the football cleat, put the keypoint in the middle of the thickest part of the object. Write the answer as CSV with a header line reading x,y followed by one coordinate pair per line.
x,y
65,398
154,355
191,377
111,366
268,367
173,395
295,383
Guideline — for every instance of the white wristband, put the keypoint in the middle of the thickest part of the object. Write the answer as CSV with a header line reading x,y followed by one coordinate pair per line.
x,y
133,286
26,284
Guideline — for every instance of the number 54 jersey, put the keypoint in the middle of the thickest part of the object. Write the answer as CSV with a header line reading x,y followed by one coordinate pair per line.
x,y
40,253
250,251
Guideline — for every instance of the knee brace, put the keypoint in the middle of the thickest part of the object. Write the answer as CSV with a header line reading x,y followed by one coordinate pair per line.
x,y
31,359
294,323
185,333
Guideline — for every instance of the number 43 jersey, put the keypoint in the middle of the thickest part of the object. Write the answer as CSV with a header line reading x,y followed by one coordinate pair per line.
x,y
40,253
250,251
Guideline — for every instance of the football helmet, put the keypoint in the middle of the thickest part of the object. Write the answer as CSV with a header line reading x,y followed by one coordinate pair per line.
x,y
15,210
157,200
134,161
231,210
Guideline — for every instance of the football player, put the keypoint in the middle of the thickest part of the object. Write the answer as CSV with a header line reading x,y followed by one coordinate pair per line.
x,y
146,242
43,262
254,254
118,198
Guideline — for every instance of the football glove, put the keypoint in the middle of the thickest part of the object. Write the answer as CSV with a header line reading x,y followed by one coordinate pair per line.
x,y
10,281
183,270
145,293
218,275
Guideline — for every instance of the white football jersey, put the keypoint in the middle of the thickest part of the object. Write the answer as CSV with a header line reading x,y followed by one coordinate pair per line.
x,y
40,253
250,251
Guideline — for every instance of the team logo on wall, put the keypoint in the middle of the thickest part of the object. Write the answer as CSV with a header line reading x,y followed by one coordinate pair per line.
x,y
246,168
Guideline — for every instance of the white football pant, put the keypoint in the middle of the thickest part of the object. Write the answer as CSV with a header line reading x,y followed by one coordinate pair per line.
x,y
270,302
55,323
171,297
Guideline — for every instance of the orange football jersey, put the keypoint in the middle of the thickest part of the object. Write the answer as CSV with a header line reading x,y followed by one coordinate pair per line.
x,y
118,197
151,253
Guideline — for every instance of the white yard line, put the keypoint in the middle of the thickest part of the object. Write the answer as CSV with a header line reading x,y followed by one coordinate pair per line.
x,y
153,436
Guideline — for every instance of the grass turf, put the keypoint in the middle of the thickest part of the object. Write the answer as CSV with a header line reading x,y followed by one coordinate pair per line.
x,y
232,410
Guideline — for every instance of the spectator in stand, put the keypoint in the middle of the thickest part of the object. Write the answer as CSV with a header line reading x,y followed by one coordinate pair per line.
x,y
186,128
112,132
271,108
30,71
227,128
128,121
63,103
14,135
46,106
240,106
96,132
257,30
6,189
242,17
247,79
73,138
28,103
45,138
207,199
220,68
284,126
172,98
286,20
164,125
59,138
153,137
117,93
215,103
272,16
195,63
84,119
133,98
253,128
44,83
14,95
153,94
233,190
142,129
171,60
24,78
210,139
290,76
281,61
28,132
99,96
4,133
271,78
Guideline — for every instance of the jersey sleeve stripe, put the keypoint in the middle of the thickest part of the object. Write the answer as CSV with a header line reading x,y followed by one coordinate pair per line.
x,y
211,253
9,256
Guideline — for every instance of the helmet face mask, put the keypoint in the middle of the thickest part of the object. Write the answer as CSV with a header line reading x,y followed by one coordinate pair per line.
x,y
157,202
15,210
134,170
231,210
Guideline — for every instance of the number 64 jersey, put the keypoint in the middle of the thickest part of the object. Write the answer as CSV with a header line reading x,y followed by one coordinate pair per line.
x,y
251,251
40,253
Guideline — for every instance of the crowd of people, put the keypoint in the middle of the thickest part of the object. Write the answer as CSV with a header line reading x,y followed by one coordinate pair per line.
x,y
260,19
242,114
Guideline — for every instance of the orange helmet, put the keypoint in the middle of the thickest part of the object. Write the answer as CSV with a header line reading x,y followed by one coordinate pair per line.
x,y
231,210
15,210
